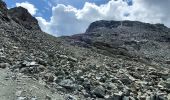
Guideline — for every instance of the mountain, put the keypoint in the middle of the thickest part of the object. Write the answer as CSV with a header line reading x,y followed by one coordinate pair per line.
x,y
129,38
112,60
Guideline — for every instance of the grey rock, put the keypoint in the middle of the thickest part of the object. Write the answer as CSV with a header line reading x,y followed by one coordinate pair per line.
x,y
99,91
116,97
48,98
4,65
70,97
167,83
49,77
34,98
21,98
111,86
67,83
125,98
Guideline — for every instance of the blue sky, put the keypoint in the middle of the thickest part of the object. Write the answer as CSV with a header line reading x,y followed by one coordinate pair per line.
x,y
46,5
68,17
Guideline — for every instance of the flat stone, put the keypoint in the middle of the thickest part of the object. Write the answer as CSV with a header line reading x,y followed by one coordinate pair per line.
x,y
68,84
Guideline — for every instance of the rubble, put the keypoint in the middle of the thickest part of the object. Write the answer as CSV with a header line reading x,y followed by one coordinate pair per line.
x,y
104,63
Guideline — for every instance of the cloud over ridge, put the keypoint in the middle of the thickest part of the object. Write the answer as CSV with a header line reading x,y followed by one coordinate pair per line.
x,y
30,7
68,20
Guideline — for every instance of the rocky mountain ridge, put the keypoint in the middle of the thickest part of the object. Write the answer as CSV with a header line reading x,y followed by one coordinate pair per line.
x,y
112,60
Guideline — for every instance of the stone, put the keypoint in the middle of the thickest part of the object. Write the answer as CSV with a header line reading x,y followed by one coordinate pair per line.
x,y
111,86
34,98
99,92
22,98
41,68
49,77
85,93
168,96
48,98
70,97
4,65
125,98
126,81
126,92
116,97
67,83
41,61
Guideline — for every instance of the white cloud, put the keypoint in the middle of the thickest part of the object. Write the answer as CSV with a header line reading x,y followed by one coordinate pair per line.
x,y
68,20
30,7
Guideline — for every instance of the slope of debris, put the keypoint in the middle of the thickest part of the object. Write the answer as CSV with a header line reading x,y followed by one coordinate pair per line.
x,y
112,61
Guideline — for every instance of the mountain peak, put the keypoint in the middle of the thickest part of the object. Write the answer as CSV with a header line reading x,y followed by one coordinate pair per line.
x,y
3,10
21,16
118,24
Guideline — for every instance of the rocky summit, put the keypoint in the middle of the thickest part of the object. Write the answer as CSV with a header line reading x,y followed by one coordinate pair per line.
x,y
112,60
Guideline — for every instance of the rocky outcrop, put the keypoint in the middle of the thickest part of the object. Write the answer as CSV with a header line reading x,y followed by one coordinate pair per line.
x,y
21,16
3,11
119,24
127,38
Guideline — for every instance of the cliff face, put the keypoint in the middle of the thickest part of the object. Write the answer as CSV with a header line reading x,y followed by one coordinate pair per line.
x,y
112,60
130,38
3,10
23,17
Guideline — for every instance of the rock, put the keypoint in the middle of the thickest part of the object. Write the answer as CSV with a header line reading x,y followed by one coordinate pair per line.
x,y
168,96
70,97
21,16
166,83
49,77
126,92
22,98
126,81
136,75
167,61
3,11
34,98
116,96
41,68
48,98
68,84
125,98
29,64
4,65
41,61
111,86
99,92
86,95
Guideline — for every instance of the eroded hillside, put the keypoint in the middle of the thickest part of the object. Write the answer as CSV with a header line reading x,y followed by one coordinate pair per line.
x,y
112,60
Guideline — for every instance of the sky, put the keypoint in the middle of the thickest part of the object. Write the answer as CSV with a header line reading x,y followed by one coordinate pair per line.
x,y
68,17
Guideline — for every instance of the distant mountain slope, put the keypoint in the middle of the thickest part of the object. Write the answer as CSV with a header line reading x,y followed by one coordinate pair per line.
x,y
130,38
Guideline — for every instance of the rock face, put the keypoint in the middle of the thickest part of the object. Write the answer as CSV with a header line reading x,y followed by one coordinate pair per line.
x,y
3,10
21,16
112,60
130,38
119,24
